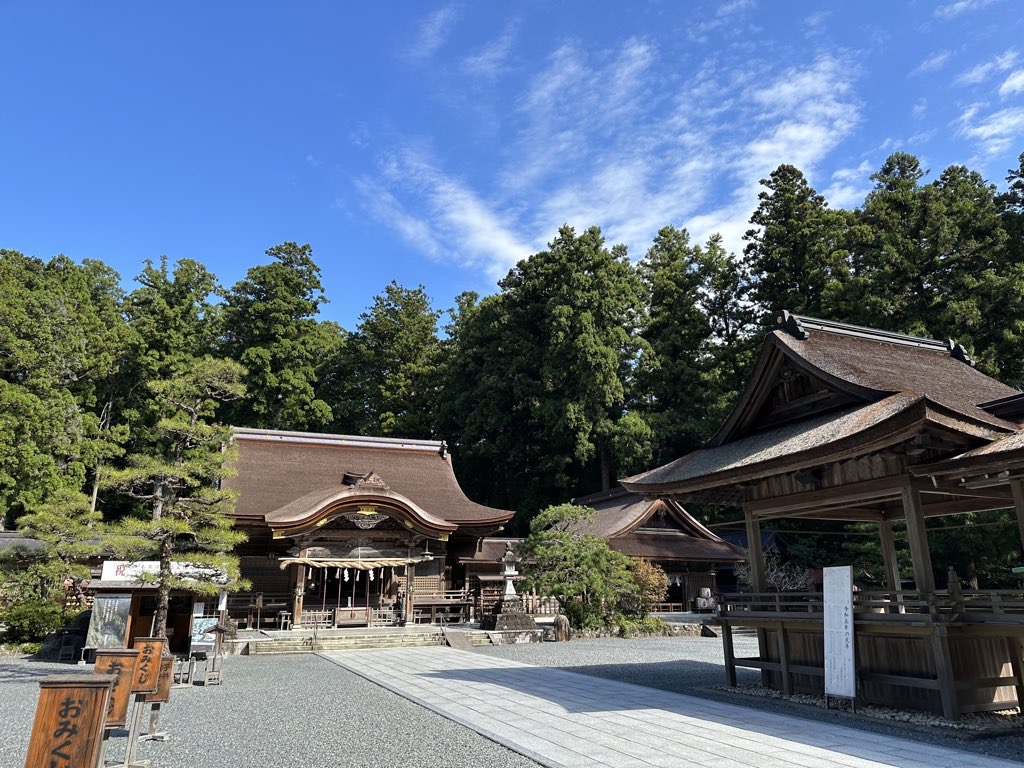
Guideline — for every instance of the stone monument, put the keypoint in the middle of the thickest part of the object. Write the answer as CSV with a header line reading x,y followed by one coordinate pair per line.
x,y
508,613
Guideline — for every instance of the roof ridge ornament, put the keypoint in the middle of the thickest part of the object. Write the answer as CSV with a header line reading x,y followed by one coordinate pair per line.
x,y
791,324
957,351
800,327
366,479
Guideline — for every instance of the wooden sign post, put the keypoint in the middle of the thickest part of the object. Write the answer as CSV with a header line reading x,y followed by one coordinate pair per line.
x,y
146,681
120,665
68,729
162,695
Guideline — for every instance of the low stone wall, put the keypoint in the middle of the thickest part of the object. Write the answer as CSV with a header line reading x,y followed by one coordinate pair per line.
x,y
670,630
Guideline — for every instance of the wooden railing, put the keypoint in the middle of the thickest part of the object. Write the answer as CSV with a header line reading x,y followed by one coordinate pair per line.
x,y
995,606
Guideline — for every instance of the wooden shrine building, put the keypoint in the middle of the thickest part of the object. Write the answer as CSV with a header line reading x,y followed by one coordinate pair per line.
x,y
348,530
846,423
659,530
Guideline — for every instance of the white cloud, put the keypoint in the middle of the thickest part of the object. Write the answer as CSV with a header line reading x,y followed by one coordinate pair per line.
x,y
981,72
995,132
605,137
491,60
934,62
952,10
1013,84
432,33
920,108
440,215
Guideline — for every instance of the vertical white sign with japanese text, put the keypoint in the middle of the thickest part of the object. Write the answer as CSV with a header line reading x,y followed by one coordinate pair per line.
x,y
840,677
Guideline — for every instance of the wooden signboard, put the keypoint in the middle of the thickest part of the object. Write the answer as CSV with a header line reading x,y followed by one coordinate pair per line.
x,y
840,674
147,670
108,624
166,677
119,664
68,729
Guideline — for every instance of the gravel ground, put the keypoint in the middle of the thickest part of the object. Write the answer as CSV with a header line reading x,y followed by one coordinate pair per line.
x,y
301,710
281,711
694,665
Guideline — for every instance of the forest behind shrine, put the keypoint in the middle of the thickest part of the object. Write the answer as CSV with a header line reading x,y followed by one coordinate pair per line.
x,y
588,363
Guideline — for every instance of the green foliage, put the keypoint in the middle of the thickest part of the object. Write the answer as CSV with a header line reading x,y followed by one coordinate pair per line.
x,y
797,252
396,359
647,626
540,385
186,516
31,620
270,327
592,582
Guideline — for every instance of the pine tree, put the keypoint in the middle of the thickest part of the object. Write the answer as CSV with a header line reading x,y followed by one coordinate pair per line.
x,y
186,514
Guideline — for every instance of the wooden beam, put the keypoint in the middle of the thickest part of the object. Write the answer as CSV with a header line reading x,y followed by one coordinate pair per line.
x,y
924,578
860,514
883,488
959,490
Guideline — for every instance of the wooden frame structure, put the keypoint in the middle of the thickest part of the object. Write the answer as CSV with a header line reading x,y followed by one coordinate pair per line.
x,y
847,423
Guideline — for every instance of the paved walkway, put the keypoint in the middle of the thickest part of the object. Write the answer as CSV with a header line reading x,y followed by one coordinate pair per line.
x,y
570,720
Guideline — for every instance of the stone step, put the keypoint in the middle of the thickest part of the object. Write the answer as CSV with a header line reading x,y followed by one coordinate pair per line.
x,y
343,643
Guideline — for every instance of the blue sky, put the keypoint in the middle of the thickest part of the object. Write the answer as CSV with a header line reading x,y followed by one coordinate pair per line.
x,y
438,143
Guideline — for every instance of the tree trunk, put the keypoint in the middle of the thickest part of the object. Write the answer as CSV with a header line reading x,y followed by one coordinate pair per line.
x,y
606,469
163,591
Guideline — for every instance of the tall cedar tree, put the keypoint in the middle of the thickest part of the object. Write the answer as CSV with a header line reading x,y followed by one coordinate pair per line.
x,y
270,327
552,384
186,514
676,393
61,339
795,251
396,356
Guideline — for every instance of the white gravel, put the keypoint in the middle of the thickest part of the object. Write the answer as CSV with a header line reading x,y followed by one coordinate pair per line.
x,y
301,710
273,711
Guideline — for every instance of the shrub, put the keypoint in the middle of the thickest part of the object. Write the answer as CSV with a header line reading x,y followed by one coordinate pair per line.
x,y
583,616
645,627
31,620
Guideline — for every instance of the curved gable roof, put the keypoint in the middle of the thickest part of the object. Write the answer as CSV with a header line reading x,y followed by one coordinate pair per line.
x,y
284,474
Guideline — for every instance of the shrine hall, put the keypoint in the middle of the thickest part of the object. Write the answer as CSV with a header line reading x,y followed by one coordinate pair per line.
x,y
350,531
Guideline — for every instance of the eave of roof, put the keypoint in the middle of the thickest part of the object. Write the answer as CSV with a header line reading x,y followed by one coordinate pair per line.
x,y
826,438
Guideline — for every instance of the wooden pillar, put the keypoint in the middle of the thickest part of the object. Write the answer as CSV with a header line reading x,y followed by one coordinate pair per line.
x,y
944,671
787,679
755,555
924,578
298,587
1017,488
1014,651
889,560
730,655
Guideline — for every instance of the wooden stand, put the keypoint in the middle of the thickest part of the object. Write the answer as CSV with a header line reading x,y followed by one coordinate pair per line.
x,y
147,681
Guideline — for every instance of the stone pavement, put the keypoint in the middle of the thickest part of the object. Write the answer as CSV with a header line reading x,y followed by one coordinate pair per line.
x,y
570,720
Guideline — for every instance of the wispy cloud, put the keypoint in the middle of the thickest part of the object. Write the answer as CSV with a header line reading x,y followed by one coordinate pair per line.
x,y
602,137
432,33
849,186
995,132
440,215
981,72
934,62
1013,84
952,10
492,60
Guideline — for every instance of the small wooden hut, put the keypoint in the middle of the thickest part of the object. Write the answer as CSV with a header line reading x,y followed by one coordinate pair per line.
x,y
840,422
659,530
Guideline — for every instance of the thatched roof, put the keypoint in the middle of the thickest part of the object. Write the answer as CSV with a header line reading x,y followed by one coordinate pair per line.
x,y
860,390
